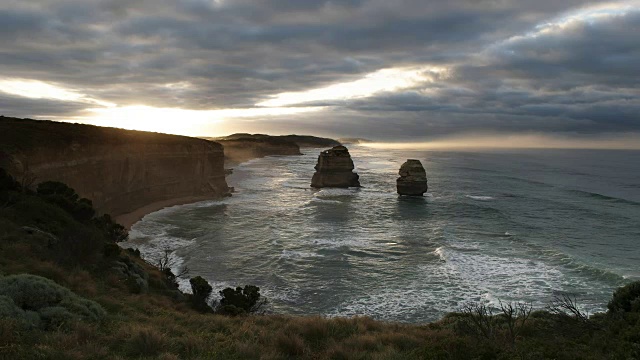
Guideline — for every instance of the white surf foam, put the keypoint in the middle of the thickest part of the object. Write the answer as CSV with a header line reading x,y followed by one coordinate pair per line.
x,y
480,197
294,254
333,192
325,201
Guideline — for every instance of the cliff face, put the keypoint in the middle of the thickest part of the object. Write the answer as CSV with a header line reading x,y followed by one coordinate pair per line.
x,y
119,170
300,140
244,149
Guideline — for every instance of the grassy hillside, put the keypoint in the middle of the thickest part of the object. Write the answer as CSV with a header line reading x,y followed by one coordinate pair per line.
x,y
107,303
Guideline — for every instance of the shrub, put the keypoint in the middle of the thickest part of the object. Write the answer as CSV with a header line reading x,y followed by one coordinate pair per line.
x,y
111,250
78,245
241,300
201,291
200,287
55,316
7,182
65,197
9,310
37,301
134,252
626,299
49,188
111,229
36,212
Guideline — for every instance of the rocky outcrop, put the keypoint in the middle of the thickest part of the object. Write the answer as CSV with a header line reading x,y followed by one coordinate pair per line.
x,y
413,179
119,170
335,169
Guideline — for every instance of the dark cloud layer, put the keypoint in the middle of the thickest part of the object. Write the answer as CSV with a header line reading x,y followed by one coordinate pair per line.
x,y
504,71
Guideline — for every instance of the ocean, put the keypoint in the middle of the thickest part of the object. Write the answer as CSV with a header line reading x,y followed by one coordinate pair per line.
x,y
507,225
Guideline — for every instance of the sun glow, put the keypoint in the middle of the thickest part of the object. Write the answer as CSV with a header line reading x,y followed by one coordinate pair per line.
x,y
142,117
590,14
177,121
35,89
392,79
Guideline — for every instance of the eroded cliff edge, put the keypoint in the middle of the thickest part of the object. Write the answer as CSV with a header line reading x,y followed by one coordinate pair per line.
x,y
121,171
239,150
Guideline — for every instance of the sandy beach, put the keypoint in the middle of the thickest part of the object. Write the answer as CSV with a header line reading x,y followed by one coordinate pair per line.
x,y
127,220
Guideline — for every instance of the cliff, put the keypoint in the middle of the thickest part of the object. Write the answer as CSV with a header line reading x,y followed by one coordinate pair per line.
x,y
243,149
119,170
300,140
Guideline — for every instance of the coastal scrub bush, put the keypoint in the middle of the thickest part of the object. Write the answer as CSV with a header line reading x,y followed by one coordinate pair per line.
x,y
567,307
134,252
626,299
7,182
200,287
37,301
111,229
9,310
9,189
111,250
65,197
78,245
201,291
478,320
515,315
241,300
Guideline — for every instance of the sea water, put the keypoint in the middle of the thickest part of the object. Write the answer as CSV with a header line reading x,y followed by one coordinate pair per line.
x,y
517,225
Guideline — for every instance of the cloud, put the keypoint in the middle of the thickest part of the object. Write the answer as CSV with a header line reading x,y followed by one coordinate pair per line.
x,y
567,67
19,106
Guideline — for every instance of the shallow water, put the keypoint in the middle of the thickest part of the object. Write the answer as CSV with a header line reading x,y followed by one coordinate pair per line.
x,y
502,225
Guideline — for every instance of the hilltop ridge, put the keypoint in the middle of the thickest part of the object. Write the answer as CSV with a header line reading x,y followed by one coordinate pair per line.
x,y
301,140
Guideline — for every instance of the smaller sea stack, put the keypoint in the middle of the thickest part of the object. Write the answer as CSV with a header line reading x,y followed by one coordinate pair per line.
x,y
413,179
335,169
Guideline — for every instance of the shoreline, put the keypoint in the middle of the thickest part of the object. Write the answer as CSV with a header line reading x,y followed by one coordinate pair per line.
x,y
127,220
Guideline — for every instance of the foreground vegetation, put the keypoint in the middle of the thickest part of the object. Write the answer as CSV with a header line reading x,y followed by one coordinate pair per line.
x,y
85,298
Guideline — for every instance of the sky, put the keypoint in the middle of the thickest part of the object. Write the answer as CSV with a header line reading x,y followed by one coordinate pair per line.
x,y
404,70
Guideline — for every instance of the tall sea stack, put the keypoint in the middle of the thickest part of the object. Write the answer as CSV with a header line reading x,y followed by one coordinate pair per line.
x,y
413,179
335,169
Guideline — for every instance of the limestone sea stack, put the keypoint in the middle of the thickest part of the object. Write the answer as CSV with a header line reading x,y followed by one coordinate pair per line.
x,y
335,169
413,179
